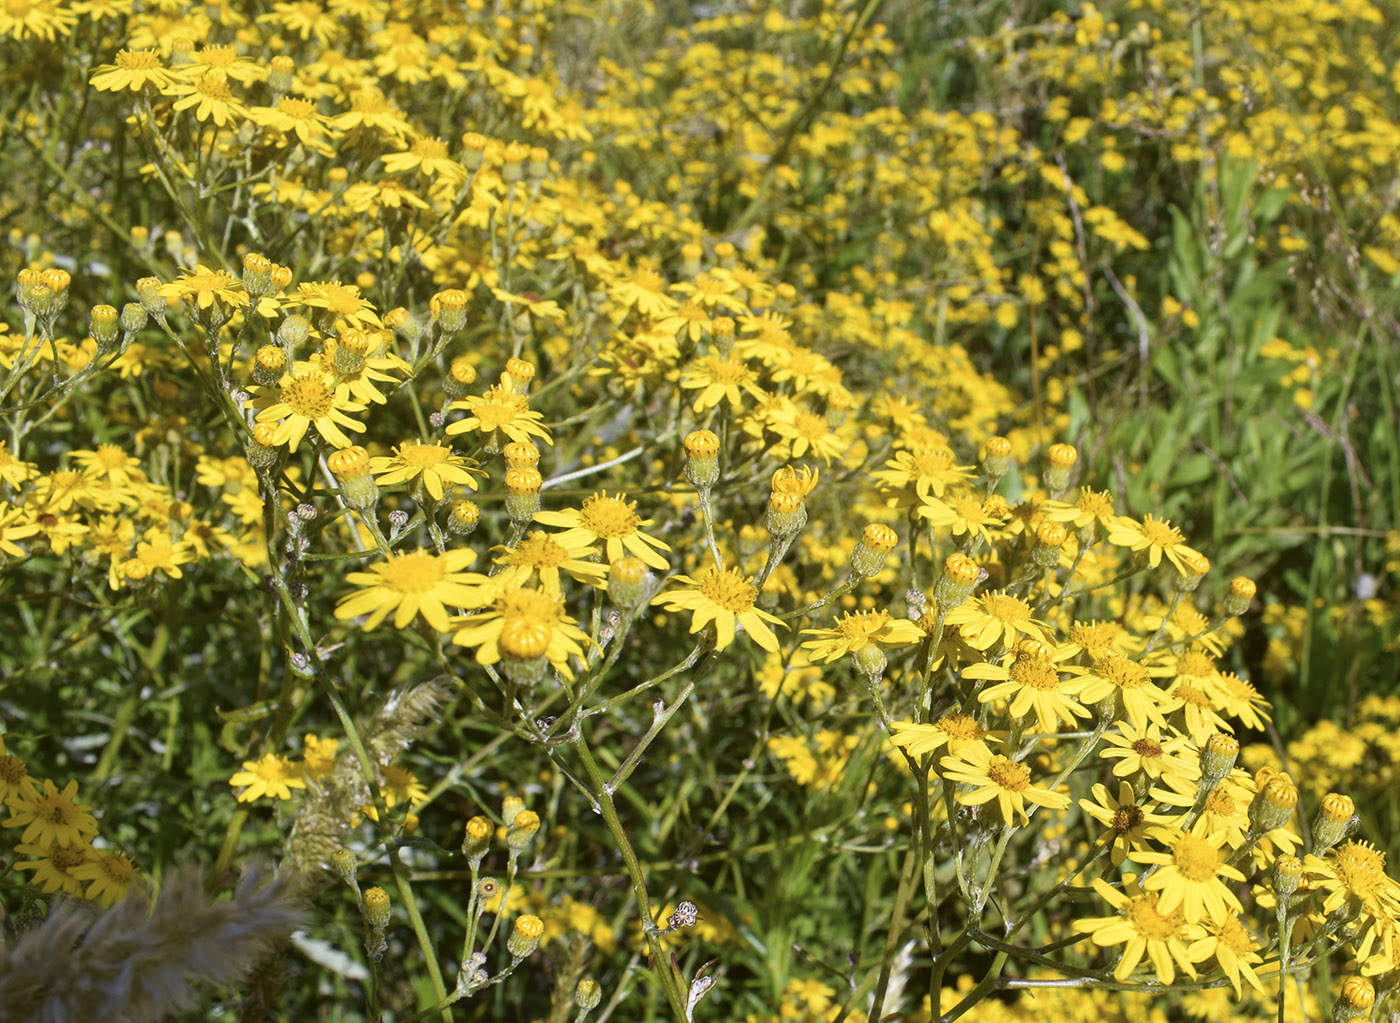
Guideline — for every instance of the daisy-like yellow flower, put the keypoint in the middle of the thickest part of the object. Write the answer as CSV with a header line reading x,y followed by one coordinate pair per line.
x,y
961,515
400,786
1031,683
1154,538
40,19
271,775
1144,928
1128,683
53,865
720,380
1193,875
524,624
1237,698
15,524
1354,872
1200,718
1093,508
318,756
16,783
109,875
724,598
645,290
1231,945
415,583
1141,749
1130,825
543,557
858,630
951,730
997,777
802,431
133,70
210,97
429,157
340,301
997,617
1099,638
1226,807
499,416
614,521
432,465
202,287
52,815
297,117
13,469
920,475
305,399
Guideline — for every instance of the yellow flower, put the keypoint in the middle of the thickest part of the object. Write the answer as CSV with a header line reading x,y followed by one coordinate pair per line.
x,y
1155,538
646,290
856,631
962,515
53,865
318,756
499,416
295,116
952,730
110,874
615,521
429,157
997,777
1141,748
42,19
1092,508
433,464
1129,824
270,776
211,98
52,816
15,524
340,301
1128,683
202,287
1032,682
1193,875
723,597
305,399
410,584
720,380
543,556
400,786
922,474
134,70
1143,927
1231,945
997,617
1354,872
525,624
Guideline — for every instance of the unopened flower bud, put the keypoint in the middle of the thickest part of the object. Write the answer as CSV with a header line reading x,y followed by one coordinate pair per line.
x,y
1335,817
1239,596
523,493
477,839
460,376
524,936
517,376
870,661
269,363
463,517
350,467
838,407
1273,804
350,351
102,324
997,461
257,275
629,582
1357,997
1194,568
473,150
787,513
449,309
701,458
342,864
510,806
403,323
292,331
376,907
996,507
521,454
279,76
1286,875
522,830
1049,537
588,994
398,519
148,294
722,331
523,646
1061,459
691,254
1218,757
960,577
513,159
134,317
868,556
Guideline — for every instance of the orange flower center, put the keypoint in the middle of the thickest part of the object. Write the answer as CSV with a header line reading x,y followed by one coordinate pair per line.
x,y
960,726
1148,749
1125,818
